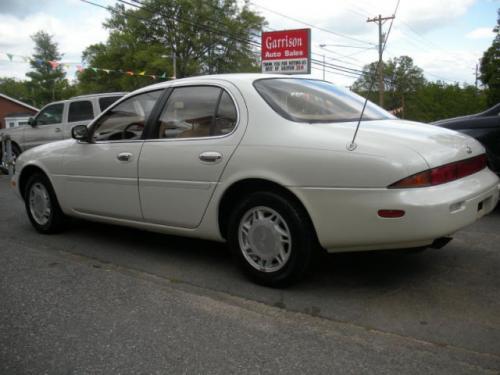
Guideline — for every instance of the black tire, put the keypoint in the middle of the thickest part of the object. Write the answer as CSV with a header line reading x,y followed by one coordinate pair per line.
x,y
56,220
303,239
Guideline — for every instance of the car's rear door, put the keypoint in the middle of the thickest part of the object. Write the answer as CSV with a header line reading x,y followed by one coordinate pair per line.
x,y
101,176
181,164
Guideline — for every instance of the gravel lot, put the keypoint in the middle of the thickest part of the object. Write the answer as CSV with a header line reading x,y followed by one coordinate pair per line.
x,y
105,299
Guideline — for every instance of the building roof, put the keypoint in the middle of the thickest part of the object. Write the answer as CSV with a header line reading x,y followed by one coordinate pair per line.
x,y
18,102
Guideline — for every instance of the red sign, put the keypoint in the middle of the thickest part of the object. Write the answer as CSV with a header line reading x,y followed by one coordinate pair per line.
x,y
286,51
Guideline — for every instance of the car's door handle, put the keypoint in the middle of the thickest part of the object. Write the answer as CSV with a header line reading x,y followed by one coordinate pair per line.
x,y
124,156
210,156
57,130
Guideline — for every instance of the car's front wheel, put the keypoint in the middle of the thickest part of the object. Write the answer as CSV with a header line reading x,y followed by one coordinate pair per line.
x,y
42,206
272,238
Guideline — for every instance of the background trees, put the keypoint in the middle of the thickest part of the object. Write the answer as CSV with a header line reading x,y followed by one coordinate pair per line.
x,y
490,67
409,95
218,36
206,36
46,83
401,77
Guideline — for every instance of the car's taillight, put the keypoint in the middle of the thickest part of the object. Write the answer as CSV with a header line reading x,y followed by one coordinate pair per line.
x,y
443,174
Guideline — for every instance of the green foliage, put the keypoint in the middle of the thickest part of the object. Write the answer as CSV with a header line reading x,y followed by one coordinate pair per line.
x,y
16,89
401,78
414,98
438,100
490,67
46,84
146,40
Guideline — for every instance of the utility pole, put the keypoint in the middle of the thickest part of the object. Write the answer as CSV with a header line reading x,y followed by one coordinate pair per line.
x,y
380,21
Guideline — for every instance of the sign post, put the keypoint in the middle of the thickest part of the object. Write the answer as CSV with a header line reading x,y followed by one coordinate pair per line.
x,y
286,51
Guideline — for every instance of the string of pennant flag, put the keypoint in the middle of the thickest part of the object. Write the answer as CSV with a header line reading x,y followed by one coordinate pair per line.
x,y
80,68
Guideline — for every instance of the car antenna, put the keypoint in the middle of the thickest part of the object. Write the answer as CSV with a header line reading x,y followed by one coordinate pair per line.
x,y
352,146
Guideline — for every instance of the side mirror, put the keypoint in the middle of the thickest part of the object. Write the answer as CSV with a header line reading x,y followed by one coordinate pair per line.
x,y
32,121
80,133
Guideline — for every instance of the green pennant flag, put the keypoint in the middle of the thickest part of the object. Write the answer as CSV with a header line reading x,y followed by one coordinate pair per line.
x,y
10,56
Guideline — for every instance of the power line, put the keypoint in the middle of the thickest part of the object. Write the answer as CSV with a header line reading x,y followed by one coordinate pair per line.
x,y
253,43
312,26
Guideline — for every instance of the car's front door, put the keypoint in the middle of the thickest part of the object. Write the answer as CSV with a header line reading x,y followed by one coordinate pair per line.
x,y
47,127
179,168
101,176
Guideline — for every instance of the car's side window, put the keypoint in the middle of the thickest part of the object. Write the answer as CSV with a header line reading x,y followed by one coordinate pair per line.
x,y
226,117
192,112
51,115
80,111
127,119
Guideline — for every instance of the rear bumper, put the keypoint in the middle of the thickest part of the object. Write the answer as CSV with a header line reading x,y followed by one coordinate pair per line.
x,y
347,219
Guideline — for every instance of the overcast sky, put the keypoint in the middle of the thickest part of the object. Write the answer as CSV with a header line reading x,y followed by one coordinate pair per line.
x,y
446,38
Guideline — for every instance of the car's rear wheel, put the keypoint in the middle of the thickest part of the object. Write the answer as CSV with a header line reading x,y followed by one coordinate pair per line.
x,y
42,206
271,238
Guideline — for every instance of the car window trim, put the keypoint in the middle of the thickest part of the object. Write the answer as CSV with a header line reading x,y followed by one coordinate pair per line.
x,y
154,126
117,103
151,124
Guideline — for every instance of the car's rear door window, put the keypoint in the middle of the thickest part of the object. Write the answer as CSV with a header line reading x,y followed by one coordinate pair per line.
x,y
197,111
80,111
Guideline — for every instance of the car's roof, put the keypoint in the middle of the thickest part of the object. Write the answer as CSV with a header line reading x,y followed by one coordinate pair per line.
x,y
233,78
105,94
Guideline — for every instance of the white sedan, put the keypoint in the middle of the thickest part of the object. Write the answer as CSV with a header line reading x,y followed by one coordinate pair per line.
x,y
265,163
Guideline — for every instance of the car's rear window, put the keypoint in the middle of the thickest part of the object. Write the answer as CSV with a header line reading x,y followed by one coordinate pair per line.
x,y
106,101
307,100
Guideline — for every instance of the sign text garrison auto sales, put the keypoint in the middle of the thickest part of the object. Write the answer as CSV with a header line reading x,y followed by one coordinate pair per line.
x,y
286,51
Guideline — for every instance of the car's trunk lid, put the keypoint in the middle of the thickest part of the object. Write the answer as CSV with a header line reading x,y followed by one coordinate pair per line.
x,y
436,145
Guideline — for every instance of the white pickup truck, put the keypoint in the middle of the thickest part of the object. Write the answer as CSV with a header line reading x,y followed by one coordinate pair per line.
x,y
55,121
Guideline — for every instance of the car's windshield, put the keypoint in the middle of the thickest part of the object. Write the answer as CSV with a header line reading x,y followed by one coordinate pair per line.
x,y
307,100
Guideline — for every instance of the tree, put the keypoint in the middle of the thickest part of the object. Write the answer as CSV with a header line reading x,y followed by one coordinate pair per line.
x,y
414,98
206,36
16,89
46,82
438,100
401,78
490,67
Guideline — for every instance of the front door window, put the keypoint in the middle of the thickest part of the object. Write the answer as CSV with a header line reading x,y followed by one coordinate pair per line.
x,y
127,120
51,115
